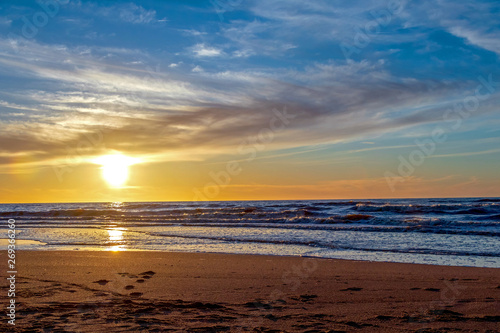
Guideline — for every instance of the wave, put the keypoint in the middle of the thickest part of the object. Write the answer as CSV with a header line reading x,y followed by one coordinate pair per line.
x,y
430,209
488,200
491,217
433,215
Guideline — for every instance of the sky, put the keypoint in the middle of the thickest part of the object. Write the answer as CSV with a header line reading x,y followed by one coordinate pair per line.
x,y
249,100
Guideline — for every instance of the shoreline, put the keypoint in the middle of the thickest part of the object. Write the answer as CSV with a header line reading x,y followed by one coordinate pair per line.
x,y
207,292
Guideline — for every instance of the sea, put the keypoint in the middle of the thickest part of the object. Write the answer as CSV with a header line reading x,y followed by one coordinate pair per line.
x,y
455,232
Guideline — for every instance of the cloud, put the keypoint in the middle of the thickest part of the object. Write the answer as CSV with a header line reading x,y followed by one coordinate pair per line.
x,y
487,40
474,153
293,23
72,92
321,20
136,14
129,12
475,21
255,38
201,50
5,21
192,32
197,69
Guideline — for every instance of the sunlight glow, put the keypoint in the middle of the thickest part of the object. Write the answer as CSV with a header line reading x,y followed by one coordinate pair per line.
x,y
116,239
115,235
115,168
117,248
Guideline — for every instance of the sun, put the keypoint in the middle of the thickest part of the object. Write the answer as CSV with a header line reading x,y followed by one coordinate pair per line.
x,y
115,168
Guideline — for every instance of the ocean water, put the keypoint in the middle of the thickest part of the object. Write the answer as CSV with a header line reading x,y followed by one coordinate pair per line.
x,y
459,232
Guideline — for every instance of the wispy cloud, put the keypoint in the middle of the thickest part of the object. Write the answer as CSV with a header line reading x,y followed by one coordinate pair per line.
x,y
214,104
127,12
475,21
464,154
136,14
5,21
178,112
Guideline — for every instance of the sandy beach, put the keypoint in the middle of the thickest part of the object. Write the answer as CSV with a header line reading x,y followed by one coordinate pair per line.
x,y
75,291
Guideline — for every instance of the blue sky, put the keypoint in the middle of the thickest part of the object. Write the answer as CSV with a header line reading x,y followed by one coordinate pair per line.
x,y
187,82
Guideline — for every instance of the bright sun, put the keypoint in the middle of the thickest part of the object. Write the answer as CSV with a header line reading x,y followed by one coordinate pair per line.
x,y
115,168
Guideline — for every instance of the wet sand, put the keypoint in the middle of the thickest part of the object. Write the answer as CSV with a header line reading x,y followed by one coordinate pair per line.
x,y
77,291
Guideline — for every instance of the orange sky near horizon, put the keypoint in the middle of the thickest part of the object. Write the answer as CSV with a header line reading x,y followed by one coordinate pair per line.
x,y
198,181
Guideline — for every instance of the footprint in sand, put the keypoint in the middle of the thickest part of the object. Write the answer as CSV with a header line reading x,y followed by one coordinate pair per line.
x,y
102,282
147,275
352,289
136,294
140,281
304,298
129,287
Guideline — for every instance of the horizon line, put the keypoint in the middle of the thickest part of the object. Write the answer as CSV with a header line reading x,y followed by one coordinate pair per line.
x,y
250,200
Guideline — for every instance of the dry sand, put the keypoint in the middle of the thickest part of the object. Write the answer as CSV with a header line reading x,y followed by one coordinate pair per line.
x,y
185,292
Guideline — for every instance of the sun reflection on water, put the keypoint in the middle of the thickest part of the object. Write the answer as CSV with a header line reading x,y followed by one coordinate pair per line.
x,y
115,235
116,204
117,248
116,239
